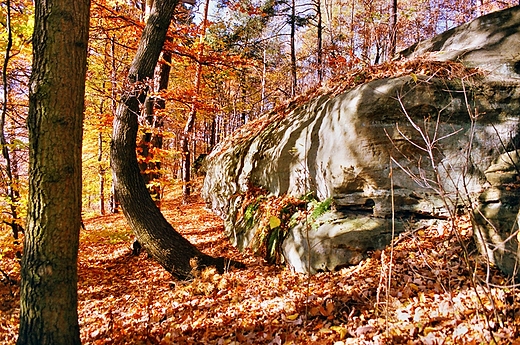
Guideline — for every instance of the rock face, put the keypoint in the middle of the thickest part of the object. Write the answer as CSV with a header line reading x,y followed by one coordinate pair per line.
x,y
492,44
496,219
390,155
489,42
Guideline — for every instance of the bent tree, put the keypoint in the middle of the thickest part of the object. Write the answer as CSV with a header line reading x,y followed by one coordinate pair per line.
x,y
175,253
48,293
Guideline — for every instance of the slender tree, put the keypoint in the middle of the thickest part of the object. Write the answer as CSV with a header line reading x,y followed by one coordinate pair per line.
x,y
12,190
176,254
48,312
292,22
101,174
319,49
393,30
190,123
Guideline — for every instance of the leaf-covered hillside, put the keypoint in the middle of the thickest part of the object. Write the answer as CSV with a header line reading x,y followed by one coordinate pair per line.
x,y
424,290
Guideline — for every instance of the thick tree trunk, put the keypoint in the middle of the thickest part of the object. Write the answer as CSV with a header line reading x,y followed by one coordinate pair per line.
x,y
176,254
48,294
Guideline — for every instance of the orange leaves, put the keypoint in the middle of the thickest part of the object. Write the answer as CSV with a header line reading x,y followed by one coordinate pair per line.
x,y
411,67
325,309
432,298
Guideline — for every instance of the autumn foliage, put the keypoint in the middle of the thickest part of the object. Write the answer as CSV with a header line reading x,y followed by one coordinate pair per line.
x,y
428,287
424,289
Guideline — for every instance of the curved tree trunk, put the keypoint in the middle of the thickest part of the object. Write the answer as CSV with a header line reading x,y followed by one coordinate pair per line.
x,y
153,137
176,254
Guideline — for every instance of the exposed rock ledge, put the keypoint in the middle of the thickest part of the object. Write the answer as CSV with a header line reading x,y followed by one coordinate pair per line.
x,y
392,155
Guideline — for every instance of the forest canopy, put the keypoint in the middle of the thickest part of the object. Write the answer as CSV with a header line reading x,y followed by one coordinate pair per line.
x,y
251,51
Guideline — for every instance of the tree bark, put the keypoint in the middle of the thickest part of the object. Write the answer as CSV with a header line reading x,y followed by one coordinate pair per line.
x,y
48,293
319,28
153,137
150,168
101,173
190,122
12,182
294,76
176,254
393,31
113,202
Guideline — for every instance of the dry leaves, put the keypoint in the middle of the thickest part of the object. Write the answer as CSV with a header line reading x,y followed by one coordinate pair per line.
x,y
432,297
420,68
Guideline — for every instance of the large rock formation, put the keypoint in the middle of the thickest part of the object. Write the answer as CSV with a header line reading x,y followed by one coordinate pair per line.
x,y
384,157
491,43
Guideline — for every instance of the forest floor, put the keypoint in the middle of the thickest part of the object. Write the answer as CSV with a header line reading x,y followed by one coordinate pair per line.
x,y
430,295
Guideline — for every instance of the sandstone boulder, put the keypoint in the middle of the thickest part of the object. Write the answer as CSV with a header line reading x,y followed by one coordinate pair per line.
x,y
391,155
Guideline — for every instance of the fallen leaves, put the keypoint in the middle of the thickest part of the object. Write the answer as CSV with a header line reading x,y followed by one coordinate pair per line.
x,y
435,294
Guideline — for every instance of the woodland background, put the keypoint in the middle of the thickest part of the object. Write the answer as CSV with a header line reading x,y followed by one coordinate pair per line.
x,y
247,58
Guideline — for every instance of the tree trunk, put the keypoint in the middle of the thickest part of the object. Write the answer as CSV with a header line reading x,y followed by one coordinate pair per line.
x,y
153,139
12,182
186,167
48,293
101,173
393,31
319,29
213,134
264,76
190,122
176,254
294,76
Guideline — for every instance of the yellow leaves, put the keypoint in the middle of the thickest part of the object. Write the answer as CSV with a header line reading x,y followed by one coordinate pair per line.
x,y
342,331
292,317
413,286
274,222
428,329
168,339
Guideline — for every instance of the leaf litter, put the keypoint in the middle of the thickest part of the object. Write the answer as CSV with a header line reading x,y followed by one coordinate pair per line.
x,y
439,292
